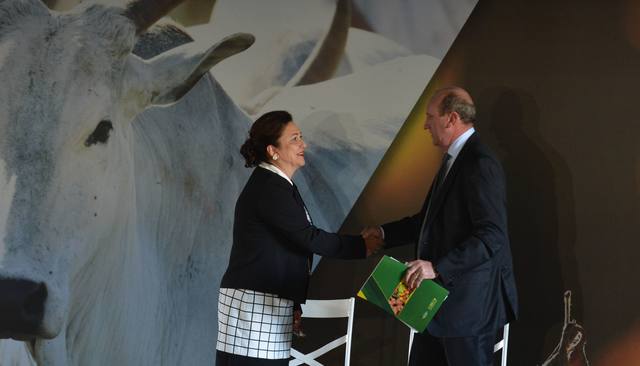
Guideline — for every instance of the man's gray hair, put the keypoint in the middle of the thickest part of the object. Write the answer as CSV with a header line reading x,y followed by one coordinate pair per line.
x,y
454,103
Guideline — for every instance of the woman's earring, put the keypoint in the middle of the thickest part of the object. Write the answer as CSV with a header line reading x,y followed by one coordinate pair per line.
x,y
275,156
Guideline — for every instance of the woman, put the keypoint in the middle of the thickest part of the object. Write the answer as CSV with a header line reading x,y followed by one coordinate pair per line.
x,y
273,243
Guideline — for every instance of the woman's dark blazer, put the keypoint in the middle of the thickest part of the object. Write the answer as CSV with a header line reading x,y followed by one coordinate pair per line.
x,y
273,241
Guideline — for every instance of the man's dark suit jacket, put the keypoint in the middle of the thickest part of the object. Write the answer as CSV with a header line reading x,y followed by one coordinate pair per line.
x,y
465,237
273,240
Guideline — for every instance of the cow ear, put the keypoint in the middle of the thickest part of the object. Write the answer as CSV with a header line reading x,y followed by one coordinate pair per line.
x,y
170,75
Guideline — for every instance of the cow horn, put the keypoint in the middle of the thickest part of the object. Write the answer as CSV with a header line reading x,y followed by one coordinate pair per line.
x,y
326,58
144,13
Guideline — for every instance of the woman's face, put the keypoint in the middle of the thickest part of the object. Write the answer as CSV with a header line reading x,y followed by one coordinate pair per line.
x,y
290,150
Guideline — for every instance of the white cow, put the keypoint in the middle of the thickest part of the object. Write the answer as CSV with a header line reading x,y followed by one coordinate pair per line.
x,y
113,234
115,218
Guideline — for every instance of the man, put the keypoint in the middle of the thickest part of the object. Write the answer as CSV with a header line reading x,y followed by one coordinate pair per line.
x,y
462,241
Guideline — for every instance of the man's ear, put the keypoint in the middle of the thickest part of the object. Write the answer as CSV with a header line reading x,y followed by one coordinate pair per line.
x,y
453,119
167,77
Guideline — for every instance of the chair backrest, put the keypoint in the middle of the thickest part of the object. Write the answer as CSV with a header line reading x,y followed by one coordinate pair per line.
x,y
501,345
340,308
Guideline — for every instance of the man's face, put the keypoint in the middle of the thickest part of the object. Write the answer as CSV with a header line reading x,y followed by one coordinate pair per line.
x,y
439,126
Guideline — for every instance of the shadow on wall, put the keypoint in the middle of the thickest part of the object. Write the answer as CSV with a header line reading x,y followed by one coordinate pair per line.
x,y
542,224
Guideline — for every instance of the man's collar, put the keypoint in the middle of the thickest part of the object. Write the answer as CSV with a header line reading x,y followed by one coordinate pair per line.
x,y
459,142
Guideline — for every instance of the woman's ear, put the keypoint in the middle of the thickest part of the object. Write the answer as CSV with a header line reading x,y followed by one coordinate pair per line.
x,y
271,150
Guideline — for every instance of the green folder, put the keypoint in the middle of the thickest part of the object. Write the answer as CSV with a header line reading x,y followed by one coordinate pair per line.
x,y
385,288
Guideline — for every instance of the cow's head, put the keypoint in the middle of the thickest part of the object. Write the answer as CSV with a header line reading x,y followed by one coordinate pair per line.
x,y
70,88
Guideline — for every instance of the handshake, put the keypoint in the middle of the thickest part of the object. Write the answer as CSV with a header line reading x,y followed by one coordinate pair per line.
x,y
373,239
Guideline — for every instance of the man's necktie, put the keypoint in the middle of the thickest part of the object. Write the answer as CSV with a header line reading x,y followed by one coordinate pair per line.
x,y
442,173
437,183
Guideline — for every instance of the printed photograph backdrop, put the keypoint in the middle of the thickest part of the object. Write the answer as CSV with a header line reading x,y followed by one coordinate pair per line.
x,y
116,199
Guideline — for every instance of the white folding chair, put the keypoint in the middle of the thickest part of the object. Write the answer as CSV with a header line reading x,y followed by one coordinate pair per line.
x,y
502,344
411,334
340,308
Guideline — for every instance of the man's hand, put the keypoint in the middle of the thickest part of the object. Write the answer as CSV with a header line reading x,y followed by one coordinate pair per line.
x,y
419,270
372,236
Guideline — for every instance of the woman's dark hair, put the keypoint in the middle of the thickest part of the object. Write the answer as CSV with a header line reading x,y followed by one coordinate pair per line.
x,y
265,131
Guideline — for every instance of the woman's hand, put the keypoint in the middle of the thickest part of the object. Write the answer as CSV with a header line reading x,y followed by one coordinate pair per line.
x,y
297,323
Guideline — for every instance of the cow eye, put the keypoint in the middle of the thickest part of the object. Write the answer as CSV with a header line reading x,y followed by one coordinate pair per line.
x,y
100,135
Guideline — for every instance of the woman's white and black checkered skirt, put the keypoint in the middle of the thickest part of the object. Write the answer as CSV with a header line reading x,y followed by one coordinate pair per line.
x,y
254,324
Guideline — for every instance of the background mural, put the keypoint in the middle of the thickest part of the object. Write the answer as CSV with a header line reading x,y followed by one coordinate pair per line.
x,y
119,168
555,92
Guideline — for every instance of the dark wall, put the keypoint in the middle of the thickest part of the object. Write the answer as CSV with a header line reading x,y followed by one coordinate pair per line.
x,y
556,86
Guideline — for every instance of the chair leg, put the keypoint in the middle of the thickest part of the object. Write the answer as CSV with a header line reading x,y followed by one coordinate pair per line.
x,y
505,346
411,334
347,352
